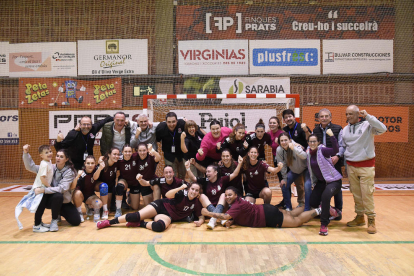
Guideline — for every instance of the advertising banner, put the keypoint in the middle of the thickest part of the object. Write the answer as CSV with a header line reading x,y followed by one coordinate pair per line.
x,y
113,57
47,59
227,118
9,127
284,22
213,57
394,117
4,59
65,121
357,56
53,92
284,57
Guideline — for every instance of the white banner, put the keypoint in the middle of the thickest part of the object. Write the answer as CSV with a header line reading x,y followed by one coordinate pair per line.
x,y
48,59
113,57
228,118
285,57
213,57
4,59
357,56
65,121
9,127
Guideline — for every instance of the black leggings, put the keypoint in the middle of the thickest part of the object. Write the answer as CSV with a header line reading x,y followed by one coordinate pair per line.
x,y
55,202
324,192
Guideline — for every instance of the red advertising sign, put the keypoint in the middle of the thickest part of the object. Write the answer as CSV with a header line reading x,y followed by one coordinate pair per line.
x,y
53,92
267,22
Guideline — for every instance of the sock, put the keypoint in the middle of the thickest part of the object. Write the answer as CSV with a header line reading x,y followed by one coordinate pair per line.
x,y
105,207
318,211
79,209
219,208
118,203
114,221
210,208
143,224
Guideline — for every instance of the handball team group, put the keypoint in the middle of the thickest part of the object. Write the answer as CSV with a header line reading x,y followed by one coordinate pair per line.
x,y
226,172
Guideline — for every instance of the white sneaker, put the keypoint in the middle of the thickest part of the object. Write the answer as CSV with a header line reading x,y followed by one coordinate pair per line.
x,y
105,214
96,217
53,225
118,213
45,225
223,222
81,217
40,229
212,223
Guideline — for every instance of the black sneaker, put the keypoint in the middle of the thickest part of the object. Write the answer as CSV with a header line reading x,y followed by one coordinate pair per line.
x,y
281,205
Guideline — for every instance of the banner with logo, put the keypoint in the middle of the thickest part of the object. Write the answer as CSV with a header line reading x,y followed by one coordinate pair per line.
x,y
113,57
213,57
284,22
227,118
65,121
357,56
65,92
396,119
47,59
284,57
4,59
9,130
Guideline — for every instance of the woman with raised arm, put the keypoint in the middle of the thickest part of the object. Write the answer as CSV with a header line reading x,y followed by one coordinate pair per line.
x,y
260,139
256,184
190,143
236,142
179,204
294,162
325,178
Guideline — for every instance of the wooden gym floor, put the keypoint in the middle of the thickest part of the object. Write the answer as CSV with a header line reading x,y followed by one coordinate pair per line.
x,y
184,249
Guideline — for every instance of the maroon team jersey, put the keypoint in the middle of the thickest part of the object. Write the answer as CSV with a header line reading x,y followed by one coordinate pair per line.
x,y
248,214
86,184
147,167
255,177
237,181
108,174
236,148
181,206
214,190
260,144
129,170
164,186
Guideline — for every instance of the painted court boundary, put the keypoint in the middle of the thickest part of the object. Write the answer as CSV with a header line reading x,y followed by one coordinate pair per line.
x,y
154,255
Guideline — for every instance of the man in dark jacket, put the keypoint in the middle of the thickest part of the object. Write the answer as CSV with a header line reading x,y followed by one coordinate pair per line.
x,y
80,140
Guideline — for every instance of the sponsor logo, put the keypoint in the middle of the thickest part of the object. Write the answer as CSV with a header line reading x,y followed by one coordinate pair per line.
x,y
3,59
63,56
285,57
213,54
206,118
252,23
112,47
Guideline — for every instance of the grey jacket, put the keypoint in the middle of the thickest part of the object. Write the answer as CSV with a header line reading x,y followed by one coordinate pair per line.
x,y
61,181
299,160
358,139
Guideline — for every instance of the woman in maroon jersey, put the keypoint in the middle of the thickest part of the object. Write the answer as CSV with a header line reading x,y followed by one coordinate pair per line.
x,y
214,186
260,139
256,184
85,187
179,204
245,213
106,172
235,142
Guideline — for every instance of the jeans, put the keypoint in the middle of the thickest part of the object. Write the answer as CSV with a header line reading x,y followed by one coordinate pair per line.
x,y
291,177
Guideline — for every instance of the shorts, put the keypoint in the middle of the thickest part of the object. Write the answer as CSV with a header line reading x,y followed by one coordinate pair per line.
x,y
135,190
250,193
145,190
273,216
159,207
111,188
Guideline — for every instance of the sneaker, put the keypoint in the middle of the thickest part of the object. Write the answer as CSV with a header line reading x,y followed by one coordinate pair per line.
x,y
118,213
359,220
371,226
334,214
105,214
223,222
133,224
103,224
81,217
45,225
89,211
212,223
281,205
53,225
323,231
40,229
59,219
125,205
96,217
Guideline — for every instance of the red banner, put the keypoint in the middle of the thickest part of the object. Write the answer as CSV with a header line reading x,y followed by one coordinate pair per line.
x,y
57,92
312,22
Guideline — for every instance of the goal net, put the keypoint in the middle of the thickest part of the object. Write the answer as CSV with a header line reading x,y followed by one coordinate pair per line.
x,y
229,109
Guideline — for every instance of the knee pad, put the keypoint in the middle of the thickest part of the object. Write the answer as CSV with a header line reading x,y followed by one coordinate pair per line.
x,y
133,217
119,189
158,226
103,189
